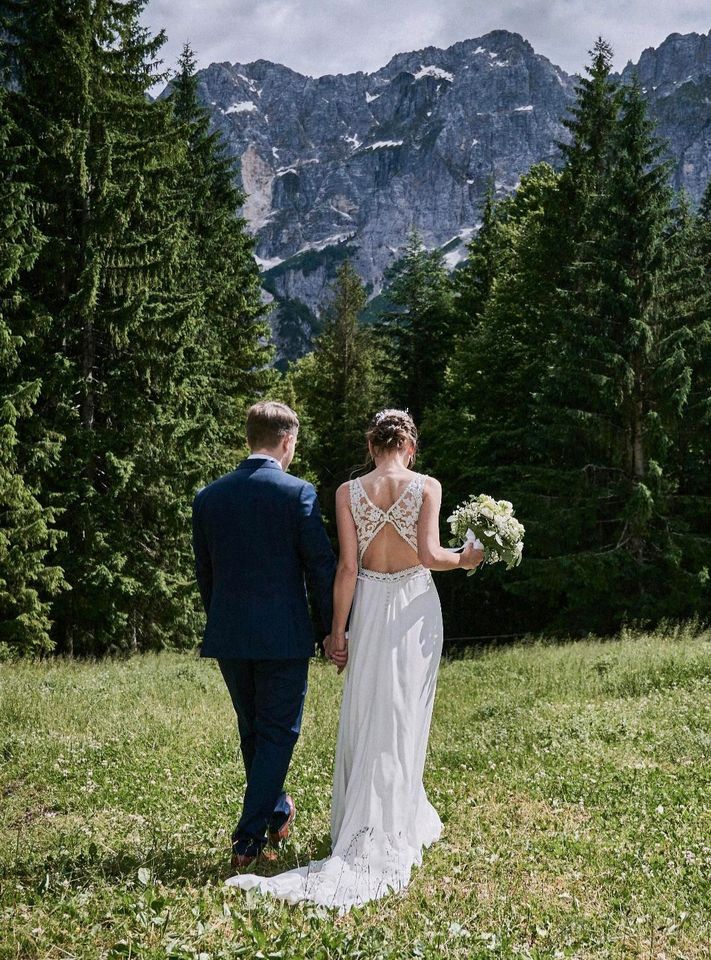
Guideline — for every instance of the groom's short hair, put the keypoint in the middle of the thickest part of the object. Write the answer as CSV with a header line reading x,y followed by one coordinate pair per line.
x,y
268,422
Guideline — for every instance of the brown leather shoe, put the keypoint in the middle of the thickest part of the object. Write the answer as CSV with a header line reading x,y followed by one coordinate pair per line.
x,y
240,861
276,836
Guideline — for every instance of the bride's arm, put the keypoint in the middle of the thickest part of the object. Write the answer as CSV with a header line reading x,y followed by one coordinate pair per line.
x,y
347,570
431,553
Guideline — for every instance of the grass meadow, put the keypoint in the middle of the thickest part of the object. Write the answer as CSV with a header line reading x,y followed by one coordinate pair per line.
x,y
574,782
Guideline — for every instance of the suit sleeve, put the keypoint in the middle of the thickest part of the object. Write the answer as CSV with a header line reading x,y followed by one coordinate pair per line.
x,y
316,554
203,563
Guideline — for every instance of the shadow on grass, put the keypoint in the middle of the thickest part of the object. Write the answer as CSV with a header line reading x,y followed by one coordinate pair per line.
x,y
171,866
291,856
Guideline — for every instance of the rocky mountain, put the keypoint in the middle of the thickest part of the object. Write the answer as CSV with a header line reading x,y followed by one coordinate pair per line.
x,y
676,77
344,165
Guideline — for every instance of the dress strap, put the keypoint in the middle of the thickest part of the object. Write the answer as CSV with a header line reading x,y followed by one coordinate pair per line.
x,y
418,487
368,518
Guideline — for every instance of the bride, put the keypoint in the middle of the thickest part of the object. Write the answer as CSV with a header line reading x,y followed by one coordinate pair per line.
x,y
381,819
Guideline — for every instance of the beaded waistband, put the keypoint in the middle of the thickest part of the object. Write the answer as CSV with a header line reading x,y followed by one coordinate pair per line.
x,y
365,574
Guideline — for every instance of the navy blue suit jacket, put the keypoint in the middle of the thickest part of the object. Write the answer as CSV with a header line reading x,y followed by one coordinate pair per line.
x,y
257,534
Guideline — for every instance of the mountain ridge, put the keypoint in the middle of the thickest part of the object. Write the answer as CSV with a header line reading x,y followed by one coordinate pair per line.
x,y
344,164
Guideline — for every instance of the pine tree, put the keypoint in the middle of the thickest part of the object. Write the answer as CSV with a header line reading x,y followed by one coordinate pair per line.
x,y
577,383
608,408
705,205
233,351
123,361
603,409
474,279
482,434
27,579
447,425
688,305
418,332
338,387
591,120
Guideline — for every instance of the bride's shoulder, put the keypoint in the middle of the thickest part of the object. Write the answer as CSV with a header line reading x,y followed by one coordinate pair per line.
x,y
343,491
421,476
430,484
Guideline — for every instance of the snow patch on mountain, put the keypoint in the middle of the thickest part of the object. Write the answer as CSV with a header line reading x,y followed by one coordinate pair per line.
x,y
266,263
384,143
252,84
326,242
432,71
460,252
244,106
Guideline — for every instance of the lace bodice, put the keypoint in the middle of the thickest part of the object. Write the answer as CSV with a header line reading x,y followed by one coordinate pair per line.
x,y
402,513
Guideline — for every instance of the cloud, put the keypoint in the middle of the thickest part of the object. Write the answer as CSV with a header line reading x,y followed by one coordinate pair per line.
x,y
341,36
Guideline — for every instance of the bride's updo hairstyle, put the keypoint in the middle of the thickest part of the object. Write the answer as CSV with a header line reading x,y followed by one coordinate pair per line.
x,y
392,430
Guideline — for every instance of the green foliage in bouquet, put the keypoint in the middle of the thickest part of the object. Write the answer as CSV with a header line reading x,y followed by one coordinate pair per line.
x,y
493,523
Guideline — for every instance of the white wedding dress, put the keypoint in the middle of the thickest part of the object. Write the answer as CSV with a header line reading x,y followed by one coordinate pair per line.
x,y
380,817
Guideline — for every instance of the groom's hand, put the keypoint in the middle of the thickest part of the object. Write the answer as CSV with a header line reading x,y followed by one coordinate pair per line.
x,y
336,649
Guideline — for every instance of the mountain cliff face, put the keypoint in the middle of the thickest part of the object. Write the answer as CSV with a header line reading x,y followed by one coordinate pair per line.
x,y
343,166
676,77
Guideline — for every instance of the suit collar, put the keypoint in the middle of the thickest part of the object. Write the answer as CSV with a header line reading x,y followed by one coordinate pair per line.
x,y
258,463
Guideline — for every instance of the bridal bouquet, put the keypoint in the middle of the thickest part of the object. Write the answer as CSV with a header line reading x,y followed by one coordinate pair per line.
x,y
492,526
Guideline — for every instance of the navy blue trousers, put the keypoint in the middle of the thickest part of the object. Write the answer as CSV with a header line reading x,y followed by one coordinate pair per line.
x,y
268,697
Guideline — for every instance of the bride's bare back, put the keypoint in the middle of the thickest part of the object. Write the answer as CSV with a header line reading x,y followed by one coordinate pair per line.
x,y
385,509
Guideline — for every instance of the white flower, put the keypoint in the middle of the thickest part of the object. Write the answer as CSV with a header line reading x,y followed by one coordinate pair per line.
x,y
488,520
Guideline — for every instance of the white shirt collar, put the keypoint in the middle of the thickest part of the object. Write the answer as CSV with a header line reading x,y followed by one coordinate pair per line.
x,y
264,456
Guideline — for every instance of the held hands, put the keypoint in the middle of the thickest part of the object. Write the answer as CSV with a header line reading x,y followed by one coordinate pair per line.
x,y
336,648
471,556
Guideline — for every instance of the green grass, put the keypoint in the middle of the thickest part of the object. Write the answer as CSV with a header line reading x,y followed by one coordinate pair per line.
x,y
573,782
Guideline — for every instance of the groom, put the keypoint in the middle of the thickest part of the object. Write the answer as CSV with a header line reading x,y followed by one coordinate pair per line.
x,y
257,532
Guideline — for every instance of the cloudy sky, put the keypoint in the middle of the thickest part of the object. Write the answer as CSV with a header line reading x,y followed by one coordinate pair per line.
x,y
340,36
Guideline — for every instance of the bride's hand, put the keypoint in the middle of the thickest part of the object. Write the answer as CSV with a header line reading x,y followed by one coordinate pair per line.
x,y
471,556
336,649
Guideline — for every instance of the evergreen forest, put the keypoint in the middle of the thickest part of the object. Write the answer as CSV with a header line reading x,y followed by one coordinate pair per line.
x,y
565,365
